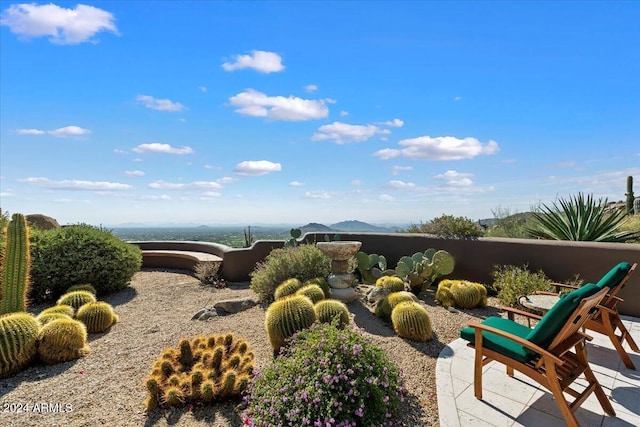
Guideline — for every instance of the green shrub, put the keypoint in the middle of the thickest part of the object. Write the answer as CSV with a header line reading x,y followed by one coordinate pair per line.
x,y
449,226
301,262
511,282
78,254
327,376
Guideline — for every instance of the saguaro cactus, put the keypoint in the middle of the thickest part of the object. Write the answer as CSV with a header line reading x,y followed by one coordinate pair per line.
x,y
629,194
15,271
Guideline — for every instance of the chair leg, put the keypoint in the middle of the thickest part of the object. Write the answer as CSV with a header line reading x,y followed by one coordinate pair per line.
x,y
561,401
617,341
477,373
581,353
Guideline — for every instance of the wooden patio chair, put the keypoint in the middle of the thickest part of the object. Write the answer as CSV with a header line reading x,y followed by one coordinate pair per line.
x,y
552,353
607,320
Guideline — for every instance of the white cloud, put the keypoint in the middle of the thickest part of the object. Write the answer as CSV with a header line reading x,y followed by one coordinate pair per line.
x,y
296,184
159,104
30,132
259,60
76,184
343,133
257,104
317,195
157,147
456,179
134,173
457,98
212,167
154,197
63,26
401,185
225,180
395,123
311,88
203,89
438,148
197,185
396,169
356,182
209,195
120,151
386,198
68,131
6,194
256,167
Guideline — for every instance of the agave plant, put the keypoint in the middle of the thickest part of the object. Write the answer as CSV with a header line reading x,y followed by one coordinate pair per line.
x,y
580,218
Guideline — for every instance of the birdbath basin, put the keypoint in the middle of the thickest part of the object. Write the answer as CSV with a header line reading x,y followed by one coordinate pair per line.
x,y
340,280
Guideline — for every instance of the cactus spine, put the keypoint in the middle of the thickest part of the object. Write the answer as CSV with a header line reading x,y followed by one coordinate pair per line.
x,y
76,299
328,309
82,287
461,293
313,292
410,320
97,316
630,197
203,369
286,288
62,340
322,282
15,271
393,283
386,305
287,316
18,339
63,309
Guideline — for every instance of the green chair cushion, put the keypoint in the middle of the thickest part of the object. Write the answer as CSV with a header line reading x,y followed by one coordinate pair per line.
x,y
500,344
553,321
614,276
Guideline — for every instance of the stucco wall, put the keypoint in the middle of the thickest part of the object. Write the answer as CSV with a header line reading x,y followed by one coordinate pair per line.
x,y
560,260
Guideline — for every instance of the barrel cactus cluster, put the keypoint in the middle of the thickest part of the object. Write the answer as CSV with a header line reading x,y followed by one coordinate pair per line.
x,y
205,369
409,318
297,306
461,294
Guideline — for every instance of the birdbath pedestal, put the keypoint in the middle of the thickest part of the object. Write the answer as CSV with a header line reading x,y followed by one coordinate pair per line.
x,y
340,280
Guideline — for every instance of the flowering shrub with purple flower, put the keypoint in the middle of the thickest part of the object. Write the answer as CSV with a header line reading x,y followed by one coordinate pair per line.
x,y
327,377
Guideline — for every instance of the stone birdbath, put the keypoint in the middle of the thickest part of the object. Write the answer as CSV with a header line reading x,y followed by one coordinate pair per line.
x,y
340,280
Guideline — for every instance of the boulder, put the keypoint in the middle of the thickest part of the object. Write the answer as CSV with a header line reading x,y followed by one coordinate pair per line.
x,y
205,314
235,305
42,222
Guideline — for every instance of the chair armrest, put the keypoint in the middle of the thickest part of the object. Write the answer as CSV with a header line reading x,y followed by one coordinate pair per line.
x,y
511,312
528,344
563,285
546,293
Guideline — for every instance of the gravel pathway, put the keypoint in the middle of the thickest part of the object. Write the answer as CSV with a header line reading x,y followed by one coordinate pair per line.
x,y
106,386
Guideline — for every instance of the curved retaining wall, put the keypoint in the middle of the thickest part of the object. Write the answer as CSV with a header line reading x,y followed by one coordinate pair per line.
x,y
475,259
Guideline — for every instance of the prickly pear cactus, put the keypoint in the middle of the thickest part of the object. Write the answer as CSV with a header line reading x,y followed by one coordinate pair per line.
x,y
76,299
18,341
322,282
286,288
393,283
287,316
443,263
411,321
204,369
97,316
313,292
15,269
328,309
62,340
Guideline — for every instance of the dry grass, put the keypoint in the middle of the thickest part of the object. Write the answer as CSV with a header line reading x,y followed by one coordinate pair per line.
x,y
105,387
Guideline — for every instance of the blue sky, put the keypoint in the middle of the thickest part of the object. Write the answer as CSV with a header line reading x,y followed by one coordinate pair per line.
x,y
291,112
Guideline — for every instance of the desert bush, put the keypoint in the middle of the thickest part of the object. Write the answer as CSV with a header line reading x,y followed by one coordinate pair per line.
x,y
77,254
303,262
512,281
327,376
209,274
449,226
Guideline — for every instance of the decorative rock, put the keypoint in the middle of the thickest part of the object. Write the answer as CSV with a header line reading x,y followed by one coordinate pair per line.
x,y
341,281
376,293
345,295
340,266
205,314
236,305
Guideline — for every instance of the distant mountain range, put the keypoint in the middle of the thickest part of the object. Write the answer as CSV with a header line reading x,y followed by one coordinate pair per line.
x,y
349,226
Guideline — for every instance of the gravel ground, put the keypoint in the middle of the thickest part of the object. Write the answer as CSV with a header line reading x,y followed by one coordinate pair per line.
x,y
106,386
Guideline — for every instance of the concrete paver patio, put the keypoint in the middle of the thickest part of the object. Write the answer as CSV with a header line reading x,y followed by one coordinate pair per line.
x,y
518,401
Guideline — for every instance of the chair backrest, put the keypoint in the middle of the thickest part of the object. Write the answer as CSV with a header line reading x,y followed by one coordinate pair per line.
x,y
556,318
586,309
616,278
